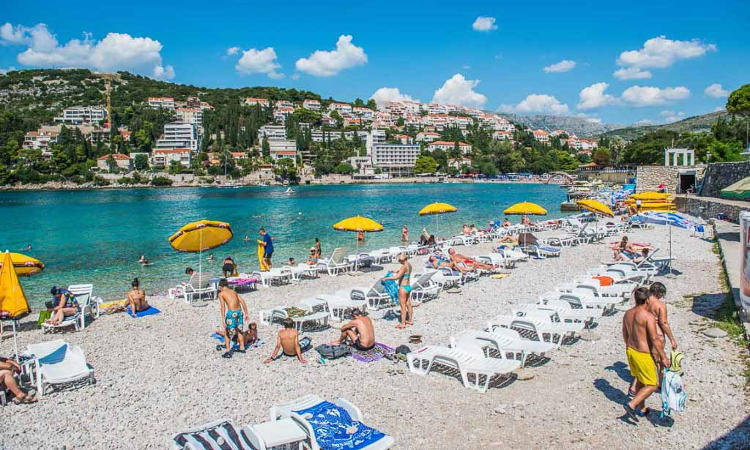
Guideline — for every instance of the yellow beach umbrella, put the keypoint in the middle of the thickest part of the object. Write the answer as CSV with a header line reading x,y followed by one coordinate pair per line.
x,y
525,208
13,303
199,236
595,206
358,223
437,208
25,265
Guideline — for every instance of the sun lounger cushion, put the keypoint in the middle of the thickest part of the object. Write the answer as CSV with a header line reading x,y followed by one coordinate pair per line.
x,y
334,428
55,357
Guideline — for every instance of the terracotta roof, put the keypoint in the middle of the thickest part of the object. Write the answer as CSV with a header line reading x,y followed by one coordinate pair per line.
x,y
460,144
119,156
166,151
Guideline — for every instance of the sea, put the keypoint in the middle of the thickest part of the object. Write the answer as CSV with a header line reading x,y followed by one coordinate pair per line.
x,y
97,236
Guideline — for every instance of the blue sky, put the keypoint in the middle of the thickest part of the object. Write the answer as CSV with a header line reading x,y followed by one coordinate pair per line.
x,y
415,47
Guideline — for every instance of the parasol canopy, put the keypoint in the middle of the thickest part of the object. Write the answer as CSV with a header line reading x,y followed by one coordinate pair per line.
x,y
201,235
526,208
358,223
739,190
437,208
25,265
13,303
595,206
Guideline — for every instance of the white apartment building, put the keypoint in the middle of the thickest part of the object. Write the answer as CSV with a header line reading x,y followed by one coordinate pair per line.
x,y
362,166
280,113
311,104
193,116
161,102
395,160
283,104
40,140
82,114
427,136
250,101
178,135
463,147
280,149
363,113
164,157
272,132
340,107
502,135
374,137
541,136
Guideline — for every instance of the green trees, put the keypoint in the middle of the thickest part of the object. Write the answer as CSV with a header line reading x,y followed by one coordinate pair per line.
x,y
739,101
175,167
602,156
425,164
343,168
140,162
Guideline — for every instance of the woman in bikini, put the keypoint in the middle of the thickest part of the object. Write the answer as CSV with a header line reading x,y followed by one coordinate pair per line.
x,y
137,298
402,277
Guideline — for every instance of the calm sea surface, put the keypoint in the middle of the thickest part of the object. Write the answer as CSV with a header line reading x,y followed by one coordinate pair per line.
x,y
97,236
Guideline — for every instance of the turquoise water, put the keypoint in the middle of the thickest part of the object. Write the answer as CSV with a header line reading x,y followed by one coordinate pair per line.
x,y
97,236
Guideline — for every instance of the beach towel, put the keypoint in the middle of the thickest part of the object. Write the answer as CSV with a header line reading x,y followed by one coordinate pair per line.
x,y
605,280
673,395
378,352
257,344
391,287
150,311
334,429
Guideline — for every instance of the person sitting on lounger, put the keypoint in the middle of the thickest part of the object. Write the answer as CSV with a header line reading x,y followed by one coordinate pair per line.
x,y
313,258
288,342
525,220
458,259
233,311
65,305
506,223
508,239
197,280
137,298
359,332
8,369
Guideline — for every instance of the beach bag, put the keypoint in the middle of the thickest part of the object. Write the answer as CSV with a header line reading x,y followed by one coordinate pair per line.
x,y
673,395
43,316
333,351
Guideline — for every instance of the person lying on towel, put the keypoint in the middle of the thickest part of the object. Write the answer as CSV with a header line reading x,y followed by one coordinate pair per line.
x,y
359,332
458,258
288,342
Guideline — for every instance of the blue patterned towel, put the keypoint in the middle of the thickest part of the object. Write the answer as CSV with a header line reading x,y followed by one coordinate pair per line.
x,y
334,428
391,287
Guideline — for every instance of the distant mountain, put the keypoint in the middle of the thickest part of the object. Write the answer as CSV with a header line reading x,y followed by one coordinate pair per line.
x,y
581,126
695,124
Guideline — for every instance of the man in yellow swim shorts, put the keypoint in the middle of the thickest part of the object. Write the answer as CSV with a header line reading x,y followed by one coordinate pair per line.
x,y
640,336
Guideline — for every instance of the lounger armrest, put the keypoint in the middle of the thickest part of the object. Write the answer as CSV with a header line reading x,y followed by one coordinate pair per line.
x,y
255,440
350,408
306,427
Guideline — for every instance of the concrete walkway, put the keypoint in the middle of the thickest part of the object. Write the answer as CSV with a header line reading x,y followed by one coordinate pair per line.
x,y
728,235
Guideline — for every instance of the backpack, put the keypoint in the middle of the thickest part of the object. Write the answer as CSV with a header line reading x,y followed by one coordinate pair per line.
x,y
673,395
333,351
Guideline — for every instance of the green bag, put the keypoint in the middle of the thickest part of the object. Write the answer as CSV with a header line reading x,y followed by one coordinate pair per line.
x,y
43,315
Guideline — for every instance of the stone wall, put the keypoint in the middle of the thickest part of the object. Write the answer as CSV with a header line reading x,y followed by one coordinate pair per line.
x,y
709,208
648,178
721,175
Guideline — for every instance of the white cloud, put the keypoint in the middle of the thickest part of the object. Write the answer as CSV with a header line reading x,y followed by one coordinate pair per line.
x,y
631,73
594,97
259,61
9,69
233,50
387,94
651,96
660,52
671,116
716,91
484,24
643,122
323,63
457,90
563,66
538,103
117,51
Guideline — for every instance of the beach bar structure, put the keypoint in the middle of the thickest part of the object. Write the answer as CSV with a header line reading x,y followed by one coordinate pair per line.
x,y
688,156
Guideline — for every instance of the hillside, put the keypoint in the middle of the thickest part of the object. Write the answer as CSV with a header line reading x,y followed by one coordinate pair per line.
x,y
581,126
695,124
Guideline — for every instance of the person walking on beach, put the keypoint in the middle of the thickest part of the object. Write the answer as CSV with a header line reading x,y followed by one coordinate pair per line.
x,y
233,311
404,234
137,298
639,332
289,343
267,243
318,249
658,308
404,290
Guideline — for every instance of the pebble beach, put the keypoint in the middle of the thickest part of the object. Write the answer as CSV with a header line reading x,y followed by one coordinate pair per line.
x,y
161,374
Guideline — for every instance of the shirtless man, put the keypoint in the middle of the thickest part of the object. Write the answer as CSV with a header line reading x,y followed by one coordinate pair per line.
x,y
639,332
8,381
233,311
359,332
458,258
658,308
288,342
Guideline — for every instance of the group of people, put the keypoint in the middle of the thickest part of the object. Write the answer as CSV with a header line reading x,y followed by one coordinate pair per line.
x,y
625,250
644,328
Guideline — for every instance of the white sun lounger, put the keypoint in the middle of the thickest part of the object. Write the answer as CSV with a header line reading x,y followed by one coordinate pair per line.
x,y
56,363
336,264
476,370
87,303
581,298
291,408
565,314
506,341
531,328
341,301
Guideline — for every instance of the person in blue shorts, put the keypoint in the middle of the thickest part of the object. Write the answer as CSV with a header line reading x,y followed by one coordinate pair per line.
x,y
233,311
267,243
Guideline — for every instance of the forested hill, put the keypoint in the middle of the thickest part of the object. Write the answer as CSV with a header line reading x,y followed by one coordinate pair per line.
x,y
40,94
695,124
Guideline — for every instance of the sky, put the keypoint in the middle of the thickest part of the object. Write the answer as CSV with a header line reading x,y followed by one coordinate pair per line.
x,y
631,62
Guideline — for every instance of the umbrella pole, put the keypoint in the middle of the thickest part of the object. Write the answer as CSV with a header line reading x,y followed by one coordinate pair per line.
x,y
15,338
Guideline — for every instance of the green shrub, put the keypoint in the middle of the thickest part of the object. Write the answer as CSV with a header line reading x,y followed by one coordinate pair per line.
x,y
161,181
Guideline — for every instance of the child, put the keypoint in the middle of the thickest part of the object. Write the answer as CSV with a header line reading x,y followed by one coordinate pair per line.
x,y
233,310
